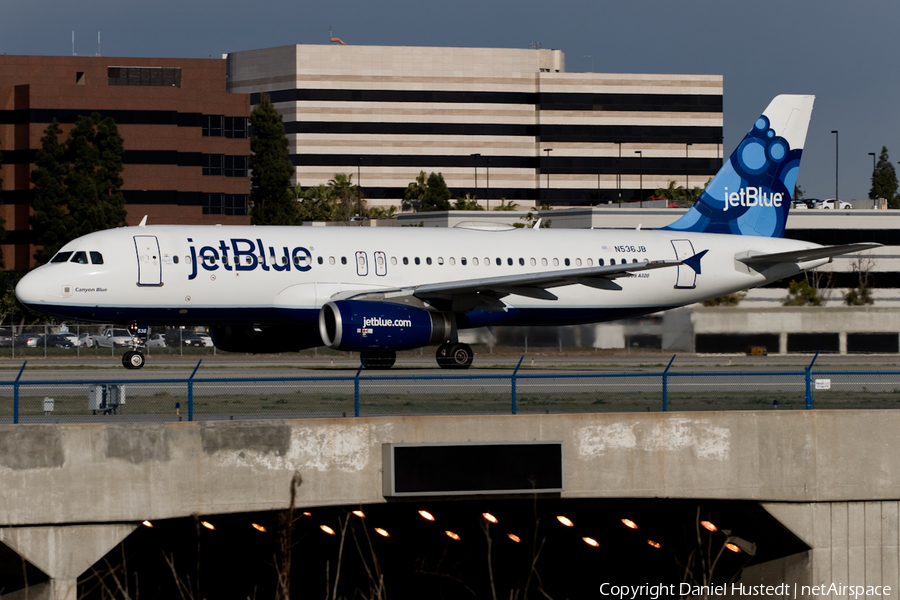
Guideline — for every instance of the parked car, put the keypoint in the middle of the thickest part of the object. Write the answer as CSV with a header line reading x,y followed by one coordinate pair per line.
x,y
29,340
119,338
58,340
829,204
186,337
6,338
157,340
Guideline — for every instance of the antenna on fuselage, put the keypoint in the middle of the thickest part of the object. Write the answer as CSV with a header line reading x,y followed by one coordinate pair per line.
x,y
143,221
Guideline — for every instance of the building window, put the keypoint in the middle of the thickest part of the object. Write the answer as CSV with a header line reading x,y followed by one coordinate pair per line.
x,y
225,204
213,164
236,166
145,76
236,127
212,125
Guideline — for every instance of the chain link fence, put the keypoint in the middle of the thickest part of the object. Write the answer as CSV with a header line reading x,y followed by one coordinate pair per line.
x,y
326,394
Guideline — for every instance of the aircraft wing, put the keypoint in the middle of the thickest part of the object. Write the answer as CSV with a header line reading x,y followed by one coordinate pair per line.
x,y
534,285
488,290
751,257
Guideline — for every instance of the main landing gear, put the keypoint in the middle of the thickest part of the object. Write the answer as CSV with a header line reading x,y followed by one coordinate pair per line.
x,y
133,359
454,356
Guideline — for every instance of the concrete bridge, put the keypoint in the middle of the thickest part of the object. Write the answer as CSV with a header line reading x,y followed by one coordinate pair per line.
x,y
831,477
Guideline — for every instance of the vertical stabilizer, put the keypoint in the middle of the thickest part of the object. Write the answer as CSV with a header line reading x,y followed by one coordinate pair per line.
x,y
751,193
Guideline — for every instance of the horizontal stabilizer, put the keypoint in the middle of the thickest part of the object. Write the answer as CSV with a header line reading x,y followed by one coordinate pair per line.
x,y
796,256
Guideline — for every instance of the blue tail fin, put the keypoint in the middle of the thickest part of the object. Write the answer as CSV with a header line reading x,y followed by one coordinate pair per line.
x,y
751,193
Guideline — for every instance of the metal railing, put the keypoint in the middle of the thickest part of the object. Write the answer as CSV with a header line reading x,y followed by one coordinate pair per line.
x,y
330,394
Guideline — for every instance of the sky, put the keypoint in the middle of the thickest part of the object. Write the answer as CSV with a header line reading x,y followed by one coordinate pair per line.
x,y
841,52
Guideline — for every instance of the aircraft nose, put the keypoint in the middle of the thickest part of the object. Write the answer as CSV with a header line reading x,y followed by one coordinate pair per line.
x,y
30,289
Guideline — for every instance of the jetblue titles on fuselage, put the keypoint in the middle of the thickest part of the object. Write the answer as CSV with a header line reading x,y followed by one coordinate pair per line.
x,y
247,256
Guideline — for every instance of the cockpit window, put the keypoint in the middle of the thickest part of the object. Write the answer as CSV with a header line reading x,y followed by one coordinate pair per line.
x,y
96,258
61,257
80,257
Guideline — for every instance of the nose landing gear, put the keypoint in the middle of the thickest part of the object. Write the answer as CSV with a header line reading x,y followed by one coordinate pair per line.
x,y
133,359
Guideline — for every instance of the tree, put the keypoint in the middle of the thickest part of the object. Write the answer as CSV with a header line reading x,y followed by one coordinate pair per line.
x,y
271,199
51,223
726,300
798,192
77,184
884,180
801,293
346,197
467,203
504,205
317,203
94,151
2,221
415,191
437,194
861,295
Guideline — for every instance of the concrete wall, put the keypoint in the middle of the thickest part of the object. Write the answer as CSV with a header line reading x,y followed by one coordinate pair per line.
x,y
129,472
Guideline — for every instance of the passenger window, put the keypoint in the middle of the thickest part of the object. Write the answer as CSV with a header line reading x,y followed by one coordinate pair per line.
x,y
379,260
405,261
428,260
343,260
440,260
634,260
321,260
509,261
567,262
284,260
417,260
452,261
600,262
80,258
590,262
624,261
225,259
499,262
533,262
330,260
487,261
543,262
249,260
393,260
296,260
555,262
187,260
97,258
462,261
612,261
577,262
61,257
475,261
174,259
361,260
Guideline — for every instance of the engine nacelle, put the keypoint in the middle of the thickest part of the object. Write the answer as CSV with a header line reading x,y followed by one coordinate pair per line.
x,y
369,324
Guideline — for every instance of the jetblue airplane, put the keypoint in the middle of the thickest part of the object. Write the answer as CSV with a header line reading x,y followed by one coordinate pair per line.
x,y
376,291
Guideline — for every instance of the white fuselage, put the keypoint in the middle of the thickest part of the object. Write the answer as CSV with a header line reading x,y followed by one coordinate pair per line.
x,y
206,274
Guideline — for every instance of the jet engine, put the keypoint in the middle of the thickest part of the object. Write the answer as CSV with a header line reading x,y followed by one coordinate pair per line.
x,y
365,325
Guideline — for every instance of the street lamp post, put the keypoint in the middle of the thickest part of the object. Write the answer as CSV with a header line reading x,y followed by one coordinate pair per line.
x,y
358,191
487,198
836,147
619,173
475,162
548,151
640,154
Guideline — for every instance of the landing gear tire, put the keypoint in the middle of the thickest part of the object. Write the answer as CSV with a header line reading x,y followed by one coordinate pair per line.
x,y
377,360
133,360
454,356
